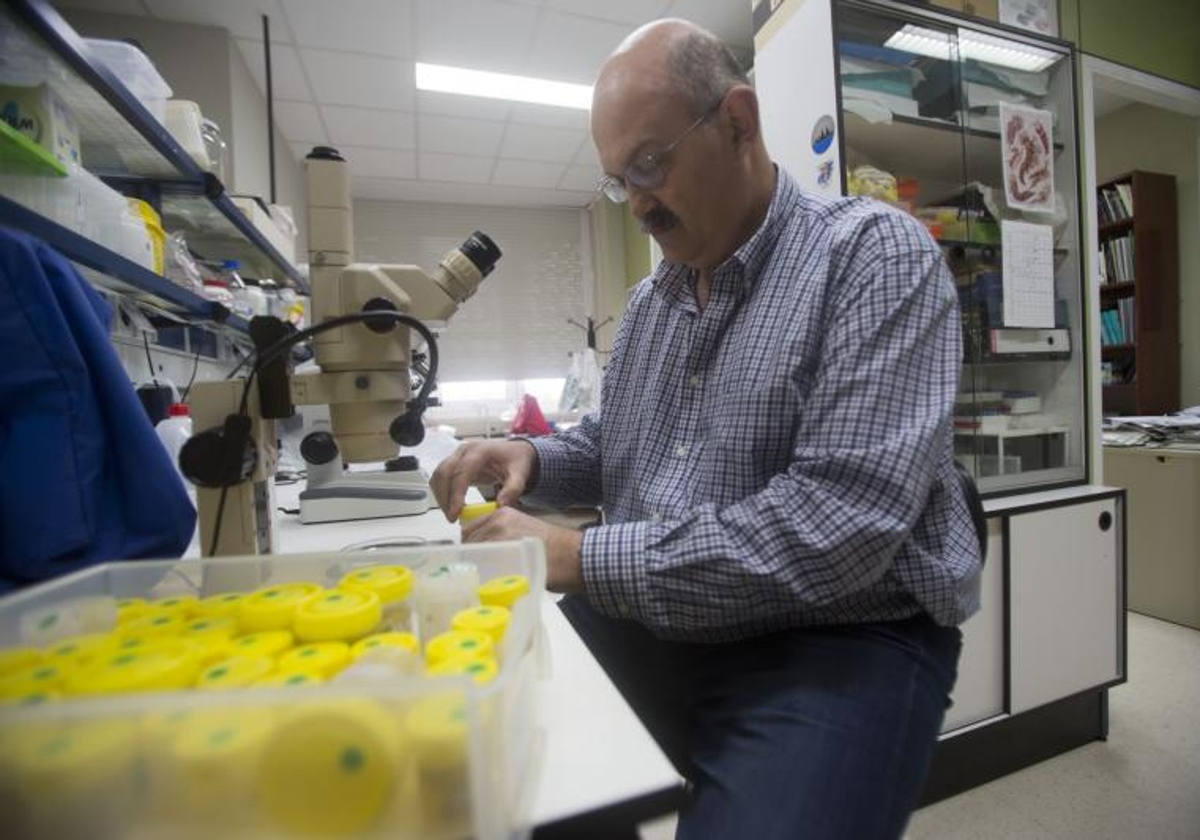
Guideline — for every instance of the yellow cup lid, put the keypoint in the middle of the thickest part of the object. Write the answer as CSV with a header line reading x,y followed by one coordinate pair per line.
x,y
15,658
272,608
503,591
39,676
487,619
290,678
470,512
404,641
481,669
79,650
235,672
437,728
171,664
33,697
225,738
73,750
223,626
183,605
266,643
390,583
337,614
155,623
331,768
323,659
226,603
455,643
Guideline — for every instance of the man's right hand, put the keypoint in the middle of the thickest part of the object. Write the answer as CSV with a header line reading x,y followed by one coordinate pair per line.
x,y
509,463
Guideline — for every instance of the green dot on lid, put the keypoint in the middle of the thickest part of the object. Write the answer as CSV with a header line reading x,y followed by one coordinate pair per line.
x,y
274,593
308,652
63,649
217,673
44,673
161,619
363,575
459,714
48,621
233,596
469,643
124,659
296,679
34,698
247,640
220,737
484,611
170,602
55,746
351,759
334,597
510,580
200,625
474,668
373,643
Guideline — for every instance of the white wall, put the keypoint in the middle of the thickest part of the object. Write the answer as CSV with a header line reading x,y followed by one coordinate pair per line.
x,y
515,327
1143,137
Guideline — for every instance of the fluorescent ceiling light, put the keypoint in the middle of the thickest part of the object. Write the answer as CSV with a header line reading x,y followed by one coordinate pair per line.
x,y
977,45
437,77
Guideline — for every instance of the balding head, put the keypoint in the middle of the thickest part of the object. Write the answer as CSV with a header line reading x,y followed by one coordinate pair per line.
x,y
679,58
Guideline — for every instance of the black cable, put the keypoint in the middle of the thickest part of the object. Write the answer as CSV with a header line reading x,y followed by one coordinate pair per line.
x,y
195,367
282,345
149,361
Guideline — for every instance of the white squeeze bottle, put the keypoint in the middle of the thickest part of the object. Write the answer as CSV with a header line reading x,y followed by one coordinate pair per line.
x,y
174,431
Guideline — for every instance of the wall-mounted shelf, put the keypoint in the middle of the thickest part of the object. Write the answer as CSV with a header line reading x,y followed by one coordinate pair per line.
x,y
118,273
123,143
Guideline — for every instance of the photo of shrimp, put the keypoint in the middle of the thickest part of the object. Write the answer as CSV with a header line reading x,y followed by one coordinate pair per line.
x,y
1027,149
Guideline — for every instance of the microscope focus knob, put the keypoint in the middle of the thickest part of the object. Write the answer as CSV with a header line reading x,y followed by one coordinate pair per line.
x,y
318,448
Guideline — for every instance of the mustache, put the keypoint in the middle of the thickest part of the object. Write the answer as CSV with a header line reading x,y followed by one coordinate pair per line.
x,y
659,217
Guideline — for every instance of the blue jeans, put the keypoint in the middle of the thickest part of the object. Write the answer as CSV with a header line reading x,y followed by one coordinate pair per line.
x,y
809,733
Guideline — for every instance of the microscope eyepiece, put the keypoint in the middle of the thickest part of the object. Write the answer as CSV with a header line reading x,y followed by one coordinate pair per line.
x,y
482,251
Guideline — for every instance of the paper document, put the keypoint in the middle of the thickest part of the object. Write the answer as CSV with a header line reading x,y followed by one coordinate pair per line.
x,y
1028,263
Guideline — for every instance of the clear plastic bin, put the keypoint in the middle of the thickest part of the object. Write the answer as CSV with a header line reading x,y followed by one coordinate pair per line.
x,y
136,71
397,757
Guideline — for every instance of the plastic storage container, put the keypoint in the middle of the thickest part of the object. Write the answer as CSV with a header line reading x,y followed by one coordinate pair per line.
x,y
136,71
174,431
286,754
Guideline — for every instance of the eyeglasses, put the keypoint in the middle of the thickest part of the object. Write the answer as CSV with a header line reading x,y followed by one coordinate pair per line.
x,y
646,170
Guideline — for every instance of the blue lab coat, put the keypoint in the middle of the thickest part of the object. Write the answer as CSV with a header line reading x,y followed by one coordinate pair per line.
x,y
83,477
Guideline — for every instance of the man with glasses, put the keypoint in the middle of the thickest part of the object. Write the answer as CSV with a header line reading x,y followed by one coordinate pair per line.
x,y
786,554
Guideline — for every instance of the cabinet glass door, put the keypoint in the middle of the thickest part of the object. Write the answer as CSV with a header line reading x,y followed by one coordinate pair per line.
x,y
973,132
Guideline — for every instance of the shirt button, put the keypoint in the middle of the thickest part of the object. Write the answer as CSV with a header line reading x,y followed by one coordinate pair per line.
x,y
681,449
656,517
694,380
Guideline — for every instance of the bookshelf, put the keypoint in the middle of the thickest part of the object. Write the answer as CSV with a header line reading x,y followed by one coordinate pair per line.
x,y
1139,293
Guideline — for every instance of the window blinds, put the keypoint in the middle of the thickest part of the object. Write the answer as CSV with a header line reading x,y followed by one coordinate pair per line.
x,y
515,326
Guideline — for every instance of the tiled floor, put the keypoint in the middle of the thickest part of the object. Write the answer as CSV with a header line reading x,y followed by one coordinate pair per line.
x,y
1142,783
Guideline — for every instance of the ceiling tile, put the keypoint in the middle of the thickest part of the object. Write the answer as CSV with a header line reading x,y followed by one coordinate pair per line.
x,y
524,173
243,18
622,11
340,78
571,49
380,163
287,78
459,168
550,115
531,142
479,34
379,189
369,127
382,27
456,136
455,105
580,178
728,21
300,122
586,156
133,8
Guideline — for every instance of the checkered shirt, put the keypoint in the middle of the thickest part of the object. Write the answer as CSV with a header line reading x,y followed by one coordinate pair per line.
x,y
783,456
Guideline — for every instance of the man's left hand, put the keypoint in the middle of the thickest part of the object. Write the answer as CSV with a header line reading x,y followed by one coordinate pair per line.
x,y
564,571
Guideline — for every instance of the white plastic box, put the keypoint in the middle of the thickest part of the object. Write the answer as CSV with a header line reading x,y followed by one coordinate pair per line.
x,y
338,759
136,71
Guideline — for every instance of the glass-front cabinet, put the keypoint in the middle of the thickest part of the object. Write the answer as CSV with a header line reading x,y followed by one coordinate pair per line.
x,y
972,130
